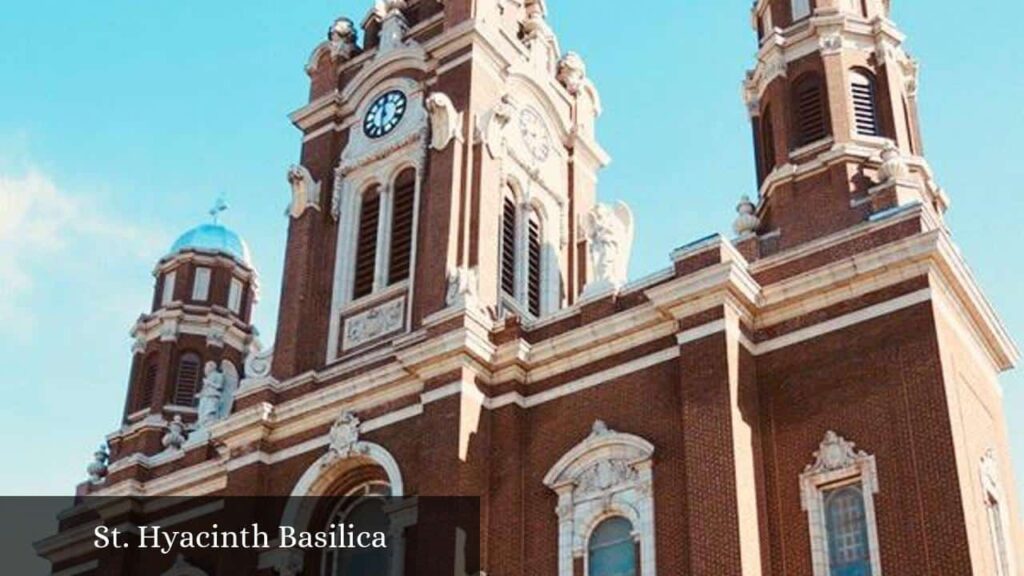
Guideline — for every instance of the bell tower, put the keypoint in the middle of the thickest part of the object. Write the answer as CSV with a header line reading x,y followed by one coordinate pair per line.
x,y
448,154
204,293
833,106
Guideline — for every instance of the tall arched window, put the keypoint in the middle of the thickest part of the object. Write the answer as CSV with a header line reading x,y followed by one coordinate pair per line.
x,y
402,227
810,120
612,550
186,382
837,492
364,509
366,247
508,246
864,97
847,527
534,270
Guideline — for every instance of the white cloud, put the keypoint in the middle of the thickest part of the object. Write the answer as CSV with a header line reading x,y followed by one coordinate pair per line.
x,y
44,229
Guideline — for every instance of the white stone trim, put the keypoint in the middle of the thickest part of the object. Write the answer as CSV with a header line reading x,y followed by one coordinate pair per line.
x,y
609,474
838,464
995,497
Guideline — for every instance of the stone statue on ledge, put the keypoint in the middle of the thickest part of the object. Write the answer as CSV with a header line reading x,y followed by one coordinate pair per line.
x,y
609,230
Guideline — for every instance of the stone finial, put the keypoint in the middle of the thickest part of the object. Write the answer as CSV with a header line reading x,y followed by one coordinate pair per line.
x,y
747,221
174,439
97,469
387,8
343,31
894,165
535,26
572,72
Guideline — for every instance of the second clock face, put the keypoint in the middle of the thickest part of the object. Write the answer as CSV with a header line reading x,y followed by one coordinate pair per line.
x,y
384,114
535,134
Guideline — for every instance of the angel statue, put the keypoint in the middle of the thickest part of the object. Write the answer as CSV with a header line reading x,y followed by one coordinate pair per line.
x,y
609,231
217,395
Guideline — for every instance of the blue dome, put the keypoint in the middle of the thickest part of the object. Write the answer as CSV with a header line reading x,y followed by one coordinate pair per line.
x,y
214,238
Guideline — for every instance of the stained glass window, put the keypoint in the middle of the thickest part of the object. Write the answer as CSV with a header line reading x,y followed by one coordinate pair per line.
x,y
847,526
612,551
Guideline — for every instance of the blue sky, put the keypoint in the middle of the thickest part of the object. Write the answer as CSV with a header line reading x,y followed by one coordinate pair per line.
x,y
121,122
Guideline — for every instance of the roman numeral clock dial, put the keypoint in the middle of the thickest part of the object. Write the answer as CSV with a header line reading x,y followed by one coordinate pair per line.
x,y
385,114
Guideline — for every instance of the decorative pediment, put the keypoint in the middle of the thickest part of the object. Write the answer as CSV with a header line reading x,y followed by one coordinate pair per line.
x,y
607,474
606,459
834,453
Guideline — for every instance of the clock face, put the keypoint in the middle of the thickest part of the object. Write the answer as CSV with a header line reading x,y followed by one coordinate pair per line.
x,y
535,134
384,114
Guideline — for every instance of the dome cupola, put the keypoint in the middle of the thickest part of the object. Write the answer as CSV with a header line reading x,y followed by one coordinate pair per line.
x,y
215,238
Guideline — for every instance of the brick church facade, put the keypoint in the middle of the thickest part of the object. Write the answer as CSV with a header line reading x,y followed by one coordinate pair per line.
x,y
815,396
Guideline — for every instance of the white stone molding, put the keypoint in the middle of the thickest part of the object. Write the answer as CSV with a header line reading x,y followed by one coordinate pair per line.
x,y
609,230
838,463
181,567
305,191
608,474
997,514
346,452
445,121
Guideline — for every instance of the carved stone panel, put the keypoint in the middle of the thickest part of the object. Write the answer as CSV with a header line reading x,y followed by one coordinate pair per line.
x,y
373,324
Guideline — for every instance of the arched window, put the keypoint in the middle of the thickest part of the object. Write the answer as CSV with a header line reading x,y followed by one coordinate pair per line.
x,y
837,492
366,247
144,396
508,247
612,551
534,269
801,9
767,142
864,98
364,509
186,383
402,227
847,528
811,123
